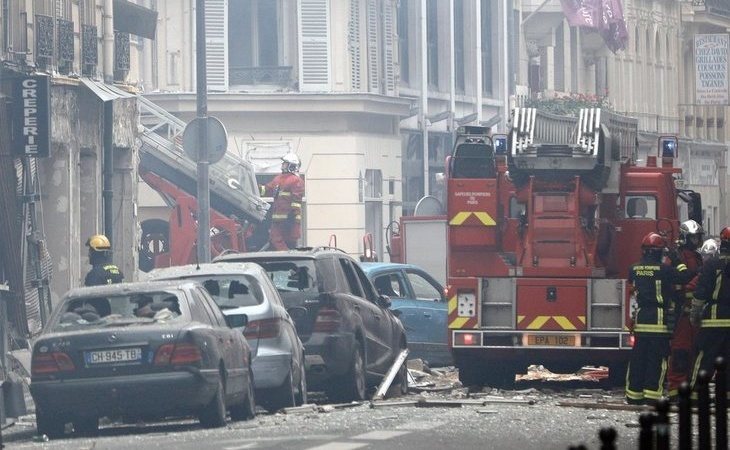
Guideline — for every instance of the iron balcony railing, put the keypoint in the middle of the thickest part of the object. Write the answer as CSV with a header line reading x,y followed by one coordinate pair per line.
x,y
280,76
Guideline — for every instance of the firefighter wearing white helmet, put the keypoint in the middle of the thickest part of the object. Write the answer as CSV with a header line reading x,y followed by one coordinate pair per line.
x,y
683,336
287,189
709,249
103,271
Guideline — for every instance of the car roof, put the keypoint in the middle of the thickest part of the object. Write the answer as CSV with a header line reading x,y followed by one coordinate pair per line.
x,y
384,266
129,287
302,252
214,268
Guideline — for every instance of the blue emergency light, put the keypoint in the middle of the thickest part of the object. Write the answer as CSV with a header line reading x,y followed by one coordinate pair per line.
x,y
668,146
500,144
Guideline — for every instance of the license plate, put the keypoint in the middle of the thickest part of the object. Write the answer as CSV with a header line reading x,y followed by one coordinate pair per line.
x,y
121,355
551,340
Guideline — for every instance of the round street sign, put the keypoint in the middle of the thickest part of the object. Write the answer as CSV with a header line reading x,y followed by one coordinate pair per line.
x,y
217,139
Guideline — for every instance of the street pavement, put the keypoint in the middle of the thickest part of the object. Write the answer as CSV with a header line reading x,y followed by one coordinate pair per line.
x,y
519,425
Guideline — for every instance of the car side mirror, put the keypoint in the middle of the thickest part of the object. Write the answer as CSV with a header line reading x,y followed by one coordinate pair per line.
x,y
297,313
384,301
237,320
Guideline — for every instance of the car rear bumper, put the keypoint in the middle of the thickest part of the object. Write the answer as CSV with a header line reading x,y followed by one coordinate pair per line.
x,y
270,369
327,356
146,395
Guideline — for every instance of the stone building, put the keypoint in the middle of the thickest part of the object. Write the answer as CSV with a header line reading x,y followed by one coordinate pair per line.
x,y
82,178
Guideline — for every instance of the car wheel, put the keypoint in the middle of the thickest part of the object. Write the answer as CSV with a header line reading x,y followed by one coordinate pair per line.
x,y
49,425
246,410
353,387
283,396
88,426
302,397
213,414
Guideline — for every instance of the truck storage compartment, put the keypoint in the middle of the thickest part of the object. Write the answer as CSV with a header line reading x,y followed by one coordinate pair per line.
x,y
551,304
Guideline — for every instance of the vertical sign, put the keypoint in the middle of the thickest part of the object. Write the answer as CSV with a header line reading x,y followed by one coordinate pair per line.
x,y
711,68
32,125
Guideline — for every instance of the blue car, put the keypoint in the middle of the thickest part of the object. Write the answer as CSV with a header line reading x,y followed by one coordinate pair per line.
x,y
421,301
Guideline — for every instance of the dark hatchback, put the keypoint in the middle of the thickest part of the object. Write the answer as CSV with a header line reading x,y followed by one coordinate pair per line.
x,y
140,351
351,337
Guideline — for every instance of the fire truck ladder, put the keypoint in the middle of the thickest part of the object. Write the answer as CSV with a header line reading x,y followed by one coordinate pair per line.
x,y
233,187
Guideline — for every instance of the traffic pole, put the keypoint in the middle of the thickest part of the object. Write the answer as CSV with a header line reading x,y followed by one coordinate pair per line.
x,y
662,425
720,404
703,409
646,435
685,417
203,247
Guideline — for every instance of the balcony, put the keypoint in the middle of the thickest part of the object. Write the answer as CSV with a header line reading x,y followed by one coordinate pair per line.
x,y
705,122
655,123
261,78
710,12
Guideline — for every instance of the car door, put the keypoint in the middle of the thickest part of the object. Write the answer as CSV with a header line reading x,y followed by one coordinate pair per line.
x,y
395,285
230,342
373,318
430,307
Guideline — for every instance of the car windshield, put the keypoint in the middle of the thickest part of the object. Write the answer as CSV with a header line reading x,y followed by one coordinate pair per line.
x,y
117,310
292,276
232,291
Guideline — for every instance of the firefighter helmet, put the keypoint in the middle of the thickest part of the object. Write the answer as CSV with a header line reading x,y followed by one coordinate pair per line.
x,y
725,240
653,241
99,242
710,248
690,233
290,163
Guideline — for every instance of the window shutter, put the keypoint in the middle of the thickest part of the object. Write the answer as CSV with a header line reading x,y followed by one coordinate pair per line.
x,y
390,47
372,33
314,45
355,51
216,44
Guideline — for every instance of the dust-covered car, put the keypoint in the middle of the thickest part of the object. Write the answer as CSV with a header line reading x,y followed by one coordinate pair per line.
x,y
351,337
140,351
278,353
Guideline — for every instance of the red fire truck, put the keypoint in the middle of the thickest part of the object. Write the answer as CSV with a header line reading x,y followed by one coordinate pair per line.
x,y
542,226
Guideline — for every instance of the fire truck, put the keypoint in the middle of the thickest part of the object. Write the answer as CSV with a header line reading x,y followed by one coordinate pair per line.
x,y
541,226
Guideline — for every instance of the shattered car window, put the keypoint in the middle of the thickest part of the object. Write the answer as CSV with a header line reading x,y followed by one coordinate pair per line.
x,y
292,276
232,291
117,310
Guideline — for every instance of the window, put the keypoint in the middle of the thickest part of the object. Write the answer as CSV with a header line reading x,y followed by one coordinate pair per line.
x,y
291,276
198,312
211,309
487,46
253,33
459,44
640,207
370,293
422,288
390,285
232,291
403,40
432,38
351,276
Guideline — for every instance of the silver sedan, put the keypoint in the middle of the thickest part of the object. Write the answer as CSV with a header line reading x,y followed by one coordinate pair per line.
x,y
245,288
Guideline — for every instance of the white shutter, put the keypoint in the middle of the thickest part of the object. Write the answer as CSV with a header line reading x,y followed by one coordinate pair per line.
x,y
216,44
390,47
373,60
355,50
314,45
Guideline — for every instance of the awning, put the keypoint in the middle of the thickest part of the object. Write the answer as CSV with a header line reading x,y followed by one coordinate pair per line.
x,y
134,19
105,92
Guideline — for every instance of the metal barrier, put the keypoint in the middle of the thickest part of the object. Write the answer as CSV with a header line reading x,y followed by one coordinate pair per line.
x,y
655,430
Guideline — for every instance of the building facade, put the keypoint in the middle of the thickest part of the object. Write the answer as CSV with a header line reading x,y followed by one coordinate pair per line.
x,y
83,182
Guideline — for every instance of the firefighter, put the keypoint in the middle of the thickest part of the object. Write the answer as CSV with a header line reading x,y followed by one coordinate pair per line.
x,y
651,282
711,310
103,271
682,342
287,189
709,249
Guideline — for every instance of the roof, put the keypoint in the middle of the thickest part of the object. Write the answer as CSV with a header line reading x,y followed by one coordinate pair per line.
x,y
302,252
122,288
214,268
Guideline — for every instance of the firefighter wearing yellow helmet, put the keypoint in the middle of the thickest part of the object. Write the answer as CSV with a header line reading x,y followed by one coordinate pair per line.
x,y
103,271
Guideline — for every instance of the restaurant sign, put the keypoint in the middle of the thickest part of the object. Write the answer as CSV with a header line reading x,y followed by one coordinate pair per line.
x,y
32,116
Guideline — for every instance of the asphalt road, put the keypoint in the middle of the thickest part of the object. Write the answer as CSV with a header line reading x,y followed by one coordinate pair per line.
x,y
543,425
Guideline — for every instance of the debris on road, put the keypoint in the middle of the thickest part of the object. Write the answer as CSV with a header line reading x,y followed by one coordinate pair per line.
x,y
605,405
390,376
586,373
308,408
426,379
451,403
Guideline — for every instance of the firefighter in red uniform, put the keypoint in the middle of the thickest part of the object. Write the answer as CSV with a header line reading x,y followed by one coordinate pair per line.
x,y
682,342
287,188
651,282
711,311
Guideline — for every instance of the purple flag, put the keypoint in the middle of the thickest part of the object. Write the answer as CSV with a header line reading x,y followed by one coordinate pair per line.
x,y
603,16
582,13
